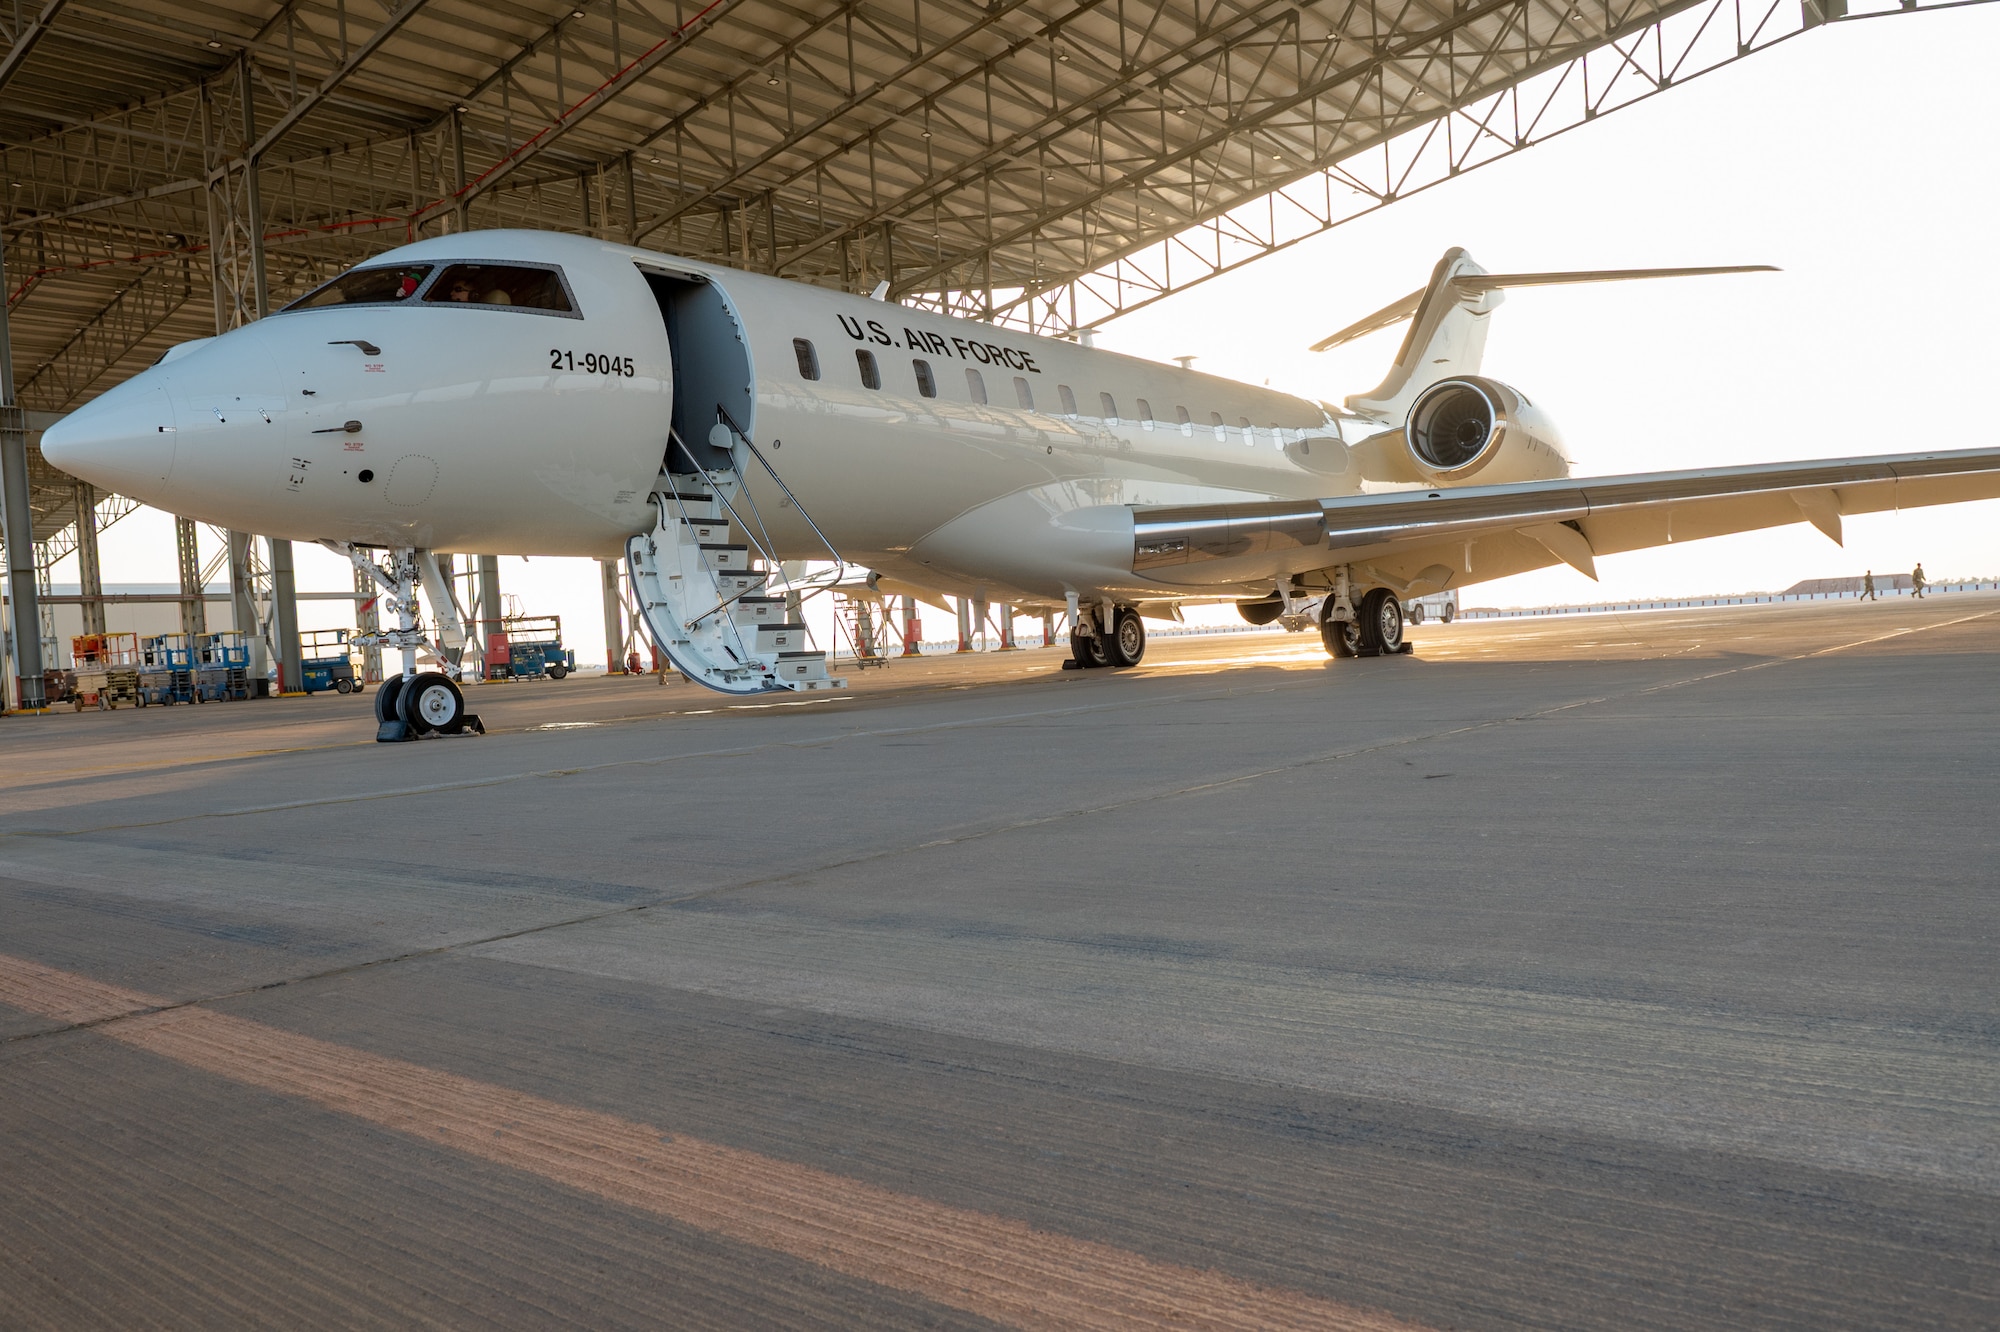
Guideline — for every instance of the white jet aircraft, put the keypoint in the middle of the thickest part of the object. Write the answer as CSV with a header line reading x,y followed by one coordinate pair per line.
x,y
521,392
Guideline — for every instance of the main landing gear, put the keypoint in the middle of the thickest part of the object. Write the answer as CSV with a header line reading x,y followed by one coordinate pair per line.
x,y
1089,647
1374,629
413,704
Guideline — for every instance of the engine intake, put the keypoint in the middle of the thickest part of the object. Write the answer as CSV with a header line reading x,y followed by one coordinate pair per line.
x,y
1454,426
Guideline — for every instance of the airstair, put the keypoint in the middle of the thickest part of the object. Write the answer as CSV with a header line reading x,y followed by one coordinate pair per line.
x,y
712,592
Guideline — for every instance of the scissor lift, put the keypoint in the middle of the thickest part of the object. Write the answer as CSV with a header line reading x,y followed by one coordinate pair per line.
x,y
107,670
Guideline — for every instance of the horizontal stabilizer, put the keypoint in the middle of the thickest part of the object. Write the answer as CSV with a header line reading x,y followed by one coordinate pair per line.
x,y
1471,285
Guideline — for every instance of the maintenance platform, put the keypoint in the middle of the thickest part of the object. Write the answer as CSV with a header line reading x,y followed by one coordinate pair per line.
x,y
1614,972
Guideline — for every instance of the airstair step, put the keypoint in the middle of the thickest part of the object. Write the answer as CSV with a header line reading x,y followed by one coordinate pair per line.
x,y
760,610
783,639
804,670
705,531
731,582
724,557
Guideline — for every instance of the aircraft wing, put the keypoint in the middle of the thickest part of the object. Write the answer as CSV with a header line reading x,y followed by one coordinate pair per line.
x,y
1425,540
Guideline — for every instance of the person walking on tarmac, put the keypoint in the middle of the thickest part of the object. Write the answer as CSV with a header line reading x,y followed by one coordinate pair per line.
x,y
1917,580
1868,586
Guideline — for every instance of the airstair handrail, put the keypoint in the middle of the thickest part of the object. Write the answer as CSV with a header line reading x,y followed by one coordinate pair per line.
x,y
758,454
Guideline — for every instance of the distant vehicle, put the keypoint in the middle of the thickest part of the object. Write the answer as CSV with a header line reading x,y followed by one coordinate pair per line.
x,y
327,663
528,647
1441,605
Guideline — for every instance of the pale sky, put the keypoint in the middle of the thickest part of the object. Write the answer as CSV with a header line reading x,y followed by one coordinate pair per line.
x,y
1859,158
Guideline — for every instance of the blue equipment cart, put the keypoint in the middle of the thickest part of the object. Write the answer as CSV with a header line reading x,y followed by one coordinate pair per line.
x,y
325,663
529,647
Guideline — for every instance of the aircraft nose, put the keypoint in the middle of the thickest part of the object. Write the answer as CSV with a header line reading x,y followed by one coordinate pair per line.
x,y
122,441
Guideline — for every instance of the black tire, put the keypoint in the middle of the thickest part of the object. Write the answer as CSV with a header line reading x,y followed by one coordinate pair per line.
x,y
1341,638
1382,621
1416,612
345,686
1127,642
1448,614
430,704
1089,651
558,672
386,695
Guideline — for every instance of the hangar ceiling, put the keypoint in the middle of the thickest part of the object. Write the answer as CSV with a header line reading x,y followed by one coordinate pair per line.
x,y
1034,158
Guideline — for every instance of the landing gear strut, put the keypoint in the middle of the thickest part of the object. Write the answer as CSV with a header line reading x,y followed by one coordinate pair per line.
x,y
412,704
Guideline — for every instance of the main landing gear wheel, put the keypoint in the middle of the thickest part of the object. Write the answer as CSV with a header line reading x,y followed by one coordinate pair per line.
x,y
1382,616
1342,638
432,703
1088,650
1127,643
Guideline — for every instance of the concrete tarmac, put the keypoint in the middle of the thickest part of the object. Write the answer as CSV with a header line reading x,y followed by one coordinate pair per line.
x,y
1622,971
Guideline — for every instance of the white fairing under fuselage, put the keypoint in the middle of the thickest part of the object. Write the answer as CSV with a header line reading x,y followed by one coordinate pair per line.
x,y
978,460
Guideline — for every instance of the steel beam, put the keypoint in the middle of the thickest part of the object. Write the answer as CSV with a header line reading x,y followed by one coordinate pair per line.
x,y
89,569
614,626
285,618
187,549
17,526
491,611
27,39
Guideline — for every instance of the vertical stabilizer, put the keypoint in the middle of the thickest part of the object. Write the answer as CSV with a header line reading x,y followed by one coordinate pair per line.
x,y
1446,338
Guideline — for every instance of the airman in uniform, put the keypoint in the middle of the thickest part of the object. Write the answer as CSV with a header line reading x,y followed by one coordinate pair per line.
x,y
1917,580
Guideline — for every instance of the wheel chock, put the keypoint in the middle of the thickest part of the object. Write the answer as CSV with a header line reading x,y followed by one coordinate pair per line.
x,y
390,732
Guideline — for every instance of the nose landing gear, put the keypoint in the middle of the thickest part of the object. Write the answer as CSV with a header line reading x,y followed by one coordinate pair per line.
x,y
414,704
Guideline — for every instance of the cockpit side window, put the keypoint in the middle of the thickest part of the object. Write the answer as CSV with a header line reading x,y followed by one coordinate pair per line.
x,y
367,286
514,285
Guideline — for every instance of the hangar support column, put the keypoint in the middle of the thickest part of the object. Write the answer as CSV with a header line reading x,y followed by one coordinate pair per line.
x,y
285,619
19,525
89,570
242,294
614,622
490,613
194,608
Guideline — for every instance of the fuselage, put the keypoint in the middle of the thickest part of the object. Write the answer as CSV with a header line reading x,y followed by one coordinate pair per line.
x,y
951,454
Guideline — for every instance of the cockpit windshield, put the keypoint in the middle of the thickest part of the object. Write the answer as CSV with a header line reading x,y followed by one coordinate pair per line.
x,y
367,286
501,284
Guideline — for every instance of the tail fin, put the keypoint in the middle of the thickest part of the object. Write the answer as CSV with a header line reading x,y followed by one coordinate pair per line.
x,y
1447,335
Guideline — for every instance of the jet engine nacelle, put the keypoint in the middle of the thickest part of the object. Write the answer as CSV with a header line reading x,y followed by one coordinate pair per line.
x,y
1473,426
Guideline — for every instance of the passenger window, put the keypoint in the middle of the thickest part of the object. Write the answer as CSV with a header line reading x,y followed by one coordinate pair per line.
x,y
367,286
1110,407
974,385
1215,419
1249,431
1145,414
1068,399
500,284
926,381
808,358
1181,415
871,373
1025,394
